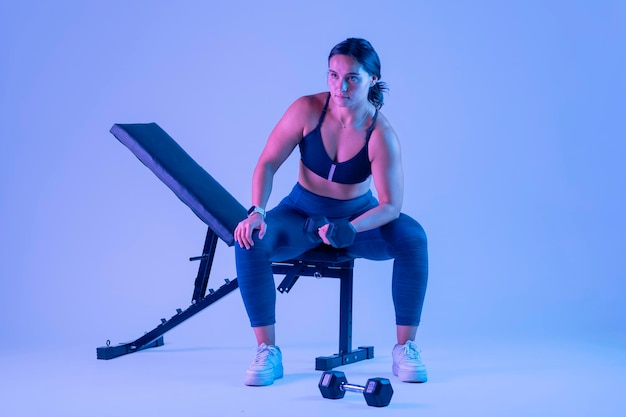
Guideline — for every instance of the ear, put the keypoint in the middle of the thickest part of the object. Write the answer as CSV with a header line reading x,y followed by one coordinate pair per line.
x,y
373,81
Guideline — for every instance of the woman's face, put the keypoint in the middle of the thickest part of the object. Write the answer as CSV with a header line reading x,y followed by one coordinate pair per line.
x,y
348,82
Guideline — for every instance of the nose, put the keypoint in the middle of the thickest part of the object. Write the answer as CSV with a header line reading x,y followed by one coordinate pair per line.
x,y
344,85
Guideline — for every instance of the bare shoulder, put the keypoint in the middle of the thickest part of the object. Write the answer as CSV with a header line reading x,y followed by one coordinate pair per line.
x,y
312,103
383,135
315,100
305,111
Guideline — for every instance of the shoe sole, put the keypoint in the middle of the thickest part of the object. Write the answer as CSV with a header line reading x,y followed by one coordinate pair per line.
x,y
260,380
418,376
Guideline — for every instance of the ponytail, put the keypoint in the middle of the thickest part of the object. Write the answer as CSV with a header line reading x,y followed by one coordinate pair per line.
x,y
375,95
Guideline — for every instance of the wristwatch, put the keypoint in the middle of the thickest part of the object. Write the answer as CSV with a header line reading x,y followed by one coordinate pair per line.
x,y
256,209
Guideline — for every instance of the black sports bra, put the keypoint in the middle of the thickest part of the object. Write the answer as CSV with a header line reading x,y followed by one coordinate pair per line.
x,y
314,156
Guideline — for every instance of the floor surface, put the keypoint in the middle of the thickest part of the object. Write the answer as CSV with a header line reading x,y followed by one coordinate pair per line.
x,y
539,378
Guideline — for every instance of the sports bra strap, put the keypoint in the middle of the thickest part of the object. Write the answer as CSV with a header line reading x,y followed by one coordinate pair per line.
x,y
369,130
324,111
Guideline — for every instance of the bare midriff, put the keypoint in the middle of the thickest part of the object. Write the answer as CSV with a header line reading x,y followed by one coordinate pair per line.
x,y
321,186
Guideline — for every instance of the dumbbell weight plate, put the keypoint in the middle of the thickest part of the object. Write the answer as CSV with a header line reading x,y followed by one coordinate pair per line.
x,y
330,385
378,392
341,233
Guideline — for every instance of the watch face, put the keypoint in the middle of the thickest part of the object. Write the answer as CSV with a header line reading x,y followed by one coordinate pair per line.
x,y
255,209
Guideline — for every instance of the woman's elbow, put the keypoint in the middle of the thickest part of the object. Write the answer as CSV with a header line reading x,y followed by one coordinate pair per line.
x,y
393,210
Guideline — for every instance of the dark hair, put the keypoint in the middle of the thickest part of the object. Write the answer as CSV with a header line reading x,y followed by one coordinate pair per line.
x,y
365,54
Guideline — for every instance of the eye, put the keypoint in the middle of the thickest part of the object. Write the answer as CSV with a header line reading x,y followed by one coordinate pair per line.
x,y
332,75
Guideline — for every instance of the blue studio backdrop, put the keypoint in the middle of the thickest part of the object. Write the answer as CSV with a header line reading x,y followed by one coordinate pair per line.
x,y
510,116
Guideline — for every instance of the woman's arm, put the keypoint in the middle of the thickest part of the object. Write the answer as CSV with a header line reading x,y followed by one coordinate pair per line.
x,y
281,142
388,177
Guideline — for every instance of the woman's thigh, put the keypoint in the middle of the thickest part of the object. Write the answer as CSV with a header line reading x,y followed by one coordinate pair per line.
x,y
285,237
383,242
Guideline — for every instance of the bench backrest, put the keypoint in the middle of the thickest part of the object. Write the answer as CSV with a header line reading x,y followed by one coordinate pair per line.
x,y
189,181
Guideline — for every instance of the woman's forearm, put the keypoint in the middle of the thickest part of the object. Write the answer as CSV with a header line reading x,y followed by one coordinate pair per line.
x,y
262,180
376,217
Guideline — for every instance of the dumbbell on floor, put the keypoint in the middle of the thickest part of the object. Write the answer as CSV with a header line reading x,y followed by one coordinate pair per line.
x,y
340,232
377,391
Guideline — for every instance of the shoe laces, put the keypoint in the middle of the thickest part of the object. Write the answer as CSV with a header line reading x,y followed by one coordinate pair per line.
x,y
410,351
262,353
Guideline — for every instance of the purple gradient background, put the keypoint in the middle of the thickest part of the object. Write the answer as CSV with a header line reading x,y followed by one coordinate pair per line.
x,y
511,117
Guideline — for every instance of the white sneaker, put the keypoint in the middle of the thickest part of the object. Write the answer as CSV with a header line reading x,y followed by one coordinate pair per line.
x,y
407,364
266,366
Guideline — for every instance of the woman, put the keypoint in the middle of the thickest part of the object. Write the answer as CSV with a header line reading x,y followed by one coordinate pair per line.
x,y
345,144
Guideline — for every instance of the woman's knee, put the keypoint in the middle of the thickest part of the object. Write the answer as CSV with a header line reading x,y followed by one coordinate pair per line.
x,y
406,232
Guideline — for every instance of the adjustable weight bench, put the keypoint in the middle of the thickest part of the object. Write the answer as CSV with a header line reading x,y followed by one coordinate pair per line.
x,y
222,212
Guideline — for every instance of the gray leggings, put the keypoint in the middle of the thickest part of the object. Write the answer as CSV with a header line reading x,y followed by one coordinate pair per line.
x,y
402,240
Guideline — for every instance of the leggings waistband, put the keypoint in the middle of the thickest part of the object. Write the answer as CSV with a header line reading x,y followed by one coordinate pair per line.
x,y
313,204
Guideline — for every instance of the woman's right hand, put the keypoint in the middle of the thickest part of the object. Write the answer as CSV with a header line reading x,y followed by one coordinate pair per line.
x,y
243,231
